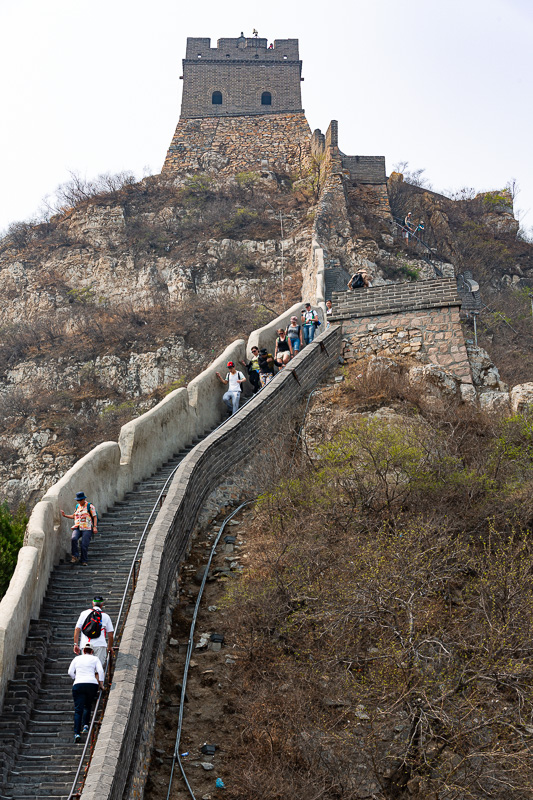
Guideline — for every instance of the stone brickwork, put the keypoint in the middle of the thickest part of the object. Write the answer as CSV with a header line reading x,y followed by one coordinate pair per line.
x,y
365,169
130,709
280,142
374,197
360,169
241,71
396,297
414,319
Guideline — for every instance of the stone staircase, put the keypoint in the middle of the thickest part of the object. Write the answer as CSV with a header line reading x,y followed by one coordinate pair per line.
x,y
335,278
37,753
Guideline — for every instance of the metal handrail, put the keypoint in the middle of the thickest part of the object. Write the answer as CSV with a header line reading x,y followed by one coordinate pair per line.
x,y
73,793
156,507
400,224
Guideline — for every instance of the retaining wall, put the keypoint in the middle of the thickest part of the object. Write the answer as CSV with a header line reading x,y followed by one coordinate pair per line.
x,y
420,318
131,704
279,142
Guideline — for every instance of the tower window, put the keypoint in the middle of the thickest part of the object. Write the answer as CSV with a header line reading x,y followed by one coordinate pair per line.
x,y
199,55
216,99
266,99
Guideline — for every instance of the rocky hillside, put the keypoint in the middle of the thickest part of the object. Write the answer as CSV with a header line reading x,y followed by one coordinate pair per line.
x,y
127,294
377,611
131,289
479,233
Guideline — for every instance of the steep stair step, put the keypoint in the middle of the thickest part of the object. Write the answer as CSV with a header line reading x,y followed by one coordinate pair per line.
x,y
38,757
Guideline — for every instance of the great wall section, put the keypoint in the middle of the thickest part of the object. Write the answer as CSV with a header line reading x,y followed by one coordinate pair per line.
x,y
241,110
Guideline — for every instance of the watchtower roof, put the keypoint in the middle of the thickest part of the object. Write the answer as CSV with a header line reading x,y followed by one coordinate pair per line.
x,y
242,49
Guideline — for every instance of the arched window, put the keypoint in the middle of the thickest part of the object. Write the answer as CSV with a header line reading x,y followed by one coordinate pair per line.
x,y
217,98
266,99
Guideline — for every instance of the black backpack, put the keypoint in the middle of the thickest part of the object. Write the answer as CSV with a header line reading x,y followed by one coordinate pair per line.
x,y
357,281
92,627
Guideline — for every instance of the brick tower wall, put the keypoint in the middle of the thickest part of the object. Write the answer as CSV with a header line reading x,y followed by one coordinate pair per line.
x,y
241,70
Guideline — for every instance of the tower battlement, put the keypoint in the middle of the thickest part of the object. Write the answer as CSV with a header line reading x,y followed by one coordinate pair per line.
x,y
242,49
240,76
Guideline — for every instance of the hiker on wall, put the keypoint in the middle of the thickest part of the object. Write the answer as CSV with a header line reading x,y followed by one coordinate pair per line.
x,y
94,627
233,381
85,524
310,322
360,280
88,676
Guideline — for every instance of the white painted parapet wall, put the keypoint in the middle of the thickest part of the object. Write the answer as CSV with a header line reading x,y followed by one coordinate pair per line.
x,y
105,475
111,470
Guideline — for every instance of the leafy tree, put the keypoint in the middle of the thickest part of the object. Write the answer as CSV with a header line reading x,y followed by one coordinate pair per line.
x,y
12,527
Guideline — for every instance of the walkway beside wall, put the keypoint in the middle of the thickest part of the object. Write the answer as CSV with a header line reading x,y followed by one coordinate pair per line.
x,y
36,724
121,757
36,729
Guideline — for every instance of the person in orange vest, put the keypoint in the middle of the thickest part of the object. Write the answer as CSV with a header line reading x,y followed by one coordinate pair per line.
x,y
85,524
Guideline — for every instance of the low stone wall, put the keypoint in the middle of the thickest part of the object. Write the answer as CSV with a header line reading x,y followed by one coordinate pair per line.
x,y
235,143
365,169
419,319
412,296
131,705
105,475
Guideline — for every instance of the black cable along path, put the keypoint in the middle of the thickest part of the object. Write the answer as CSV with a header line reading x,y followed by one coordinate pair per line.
x,y
190,643
47,758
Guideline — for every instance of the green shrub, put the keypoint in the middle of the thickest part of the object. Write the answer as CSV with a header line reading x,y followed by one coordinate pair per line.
x,y
12,527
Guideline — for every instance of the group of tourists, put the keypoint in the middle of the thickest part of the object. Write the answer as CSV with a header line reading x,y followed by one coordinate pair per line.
x,y
93,642
263,365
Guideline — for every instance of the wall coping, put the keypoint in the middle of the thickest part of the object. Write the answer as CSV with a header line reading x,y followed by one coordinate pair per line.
x,y
199,472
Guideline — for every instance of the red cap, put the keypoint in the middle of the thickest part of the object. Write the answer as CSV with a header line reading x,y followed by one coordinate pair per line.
x,y
231,364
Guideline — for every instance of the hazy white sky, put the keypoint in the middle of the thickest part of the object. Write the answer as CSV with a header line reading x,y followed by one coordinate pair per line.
x,y
94,86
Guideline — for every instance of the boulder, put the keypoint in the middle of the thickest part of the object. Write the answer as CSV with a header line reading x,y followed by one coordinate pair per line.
x,y
521,397
494,402
484,373
435,384
468,393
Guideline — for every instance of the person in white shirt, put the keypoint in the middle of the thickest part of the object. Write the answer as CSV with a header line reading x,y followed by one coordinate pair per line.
x,y
309,323
88,676
233,380
102,644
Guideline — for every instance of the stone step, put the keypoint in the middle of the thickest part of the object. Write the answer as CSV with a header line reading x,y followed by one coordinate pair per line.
x,y
29,791
37,726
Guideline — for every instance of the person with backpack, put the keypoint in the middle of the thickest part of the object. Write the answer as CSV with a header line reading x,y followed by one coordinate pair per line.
x,y
359,280
88,676
94,626
310,322
85,524
233,380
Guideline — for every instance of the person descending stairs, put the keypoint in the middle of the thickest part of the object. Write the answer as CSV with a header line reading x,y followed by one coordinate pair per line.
x,y
39,758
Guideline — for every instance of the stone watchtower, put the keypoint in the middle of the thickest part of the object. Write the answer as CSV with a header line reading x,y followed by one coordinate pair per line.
x,y
240,76
241,108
